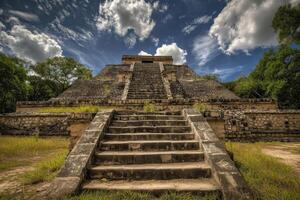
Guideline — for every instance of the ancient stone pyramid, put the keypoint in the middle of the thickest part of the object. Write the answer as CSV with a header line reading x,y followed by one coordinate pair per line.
x,y
147,77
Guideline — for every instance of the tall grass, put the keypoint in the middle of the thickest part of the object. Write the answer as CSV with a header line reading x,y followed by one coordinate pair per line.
x,y
268,178
78,109
16,151
46,169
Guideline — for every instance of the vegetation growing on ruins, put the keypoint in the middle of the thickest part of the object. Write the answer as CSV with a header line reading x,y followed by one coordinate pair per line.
x,y
149,107
268,178
79,109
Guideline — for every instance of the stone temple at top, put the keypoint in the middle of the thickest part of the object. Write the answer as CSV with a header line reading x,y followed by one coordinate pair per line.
x,y
147,77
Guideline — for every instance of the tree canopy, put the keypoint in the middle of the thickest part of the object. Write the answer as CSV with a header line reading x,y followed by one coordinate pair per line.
x,y
277,75
38,82
61,70
13,85
286,23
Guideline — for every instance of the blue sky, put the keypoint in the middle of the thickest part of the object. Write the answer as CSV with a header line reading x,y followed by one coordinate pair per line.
x,y
212,36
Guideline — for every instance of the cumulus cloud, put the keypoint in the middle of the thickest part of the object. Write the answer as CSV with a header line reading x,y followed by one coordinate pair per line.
x,y
205,49
31,46
245,25
24,15
125,15
178,54
143,53
197,21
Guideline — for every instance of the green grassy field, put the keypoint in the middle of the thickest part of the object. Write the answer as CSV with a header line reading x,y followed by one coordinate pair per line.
x,y
20,151
269,178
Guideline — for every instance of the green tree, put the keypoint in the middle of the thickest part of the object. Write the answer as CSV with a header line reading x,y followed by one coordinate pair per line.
x,y
55,75
286,23
42,89
277,75
13,86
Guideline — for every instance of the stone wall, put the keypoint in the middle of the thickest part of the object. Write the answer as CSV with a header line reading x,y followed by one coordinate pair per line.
x,y
44,124
232,183
270,125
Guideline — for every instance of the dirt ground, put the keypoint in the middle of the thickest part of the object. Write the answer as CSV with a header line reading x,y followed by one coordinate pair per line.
x,y
287,153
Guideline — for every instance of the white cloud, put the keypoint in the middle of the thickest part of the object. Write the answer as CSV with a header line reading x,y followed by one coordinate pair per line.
x,y
197,21
167,18
205,49
160,7
143,53
31,46
24,15
245,25
178,54
130,40
125,15
67,33
155,40
2,26
227,72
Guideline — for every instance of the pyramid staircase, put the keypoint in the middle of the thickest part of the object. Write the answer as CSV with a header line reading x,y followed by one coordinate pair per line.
x,y
152,152
146,82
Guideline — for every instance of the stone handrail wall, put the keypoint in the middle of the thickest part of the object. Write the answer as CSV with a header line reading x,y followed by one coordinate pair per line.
x,y
73,171
232,183
44,124
165,81
128,80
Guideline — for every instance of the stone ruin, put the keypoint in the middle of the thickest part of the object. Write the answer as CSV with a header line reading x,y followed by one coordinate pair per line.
x,y
178,147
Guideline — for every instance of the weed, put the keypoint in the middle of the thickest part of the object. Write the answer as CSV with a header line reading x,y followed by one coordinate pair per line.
x,y
149,107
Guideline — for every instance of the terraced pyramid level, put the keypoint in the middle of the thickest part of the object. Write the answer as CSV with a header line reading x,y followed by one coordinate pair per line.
x,y
154,152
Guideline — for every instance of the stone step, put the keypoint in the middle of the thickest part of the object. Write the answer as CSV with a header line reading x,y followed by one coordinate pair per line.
x,y
139,92
146,98
149,116
143,96
149,136
151,171
201,187
149,129
140,157
152,145
149,123
129,112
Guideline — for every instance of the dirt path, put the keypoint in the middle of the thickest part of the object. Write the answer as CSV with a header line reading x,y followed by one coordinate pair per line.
x,y
287,153
11,184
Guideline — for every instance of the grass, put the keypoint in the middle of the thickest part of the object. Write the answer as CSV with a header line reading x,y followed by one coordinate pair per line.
x,y
128,195
45,170
78,109
149,107
19,151
267,176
